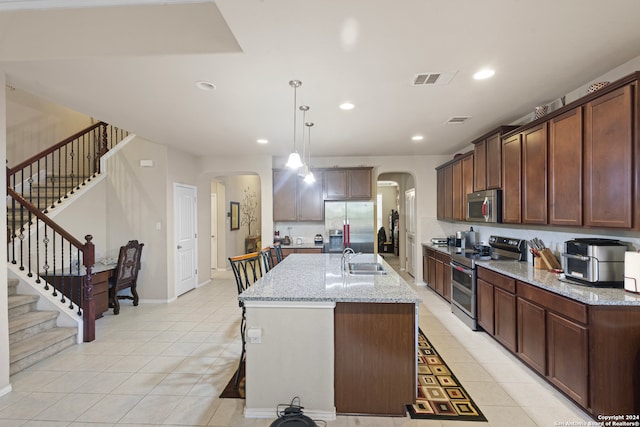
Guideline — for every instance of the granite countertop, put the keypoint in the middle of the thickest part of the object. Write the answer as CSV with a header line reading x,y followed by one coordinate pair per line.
x,y
319,277
543,279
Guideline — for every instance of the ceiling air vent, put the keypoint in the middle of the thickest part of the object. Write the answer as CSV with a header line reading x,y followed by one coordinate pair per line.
x,y
431,79
457,120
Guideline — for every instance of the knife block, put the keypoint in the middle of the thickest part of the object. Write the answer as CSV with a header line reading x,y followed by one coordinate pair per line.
x,y
549,259
537,263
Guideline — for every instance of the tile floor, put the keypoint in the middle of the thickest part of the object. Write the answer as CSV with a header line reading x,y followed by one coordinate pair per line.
x,y
166,365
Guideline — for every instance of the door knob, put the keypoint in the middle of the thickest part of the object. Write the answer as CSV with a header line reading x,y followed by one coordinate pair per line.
x,y
179,247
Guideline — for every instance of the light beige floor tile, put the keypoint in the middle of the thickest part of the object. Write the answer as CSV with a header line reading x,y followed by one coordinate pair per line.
x,y
103,382
506,416
230,413
168,336
488,393
176,384
12,423
32,380
70,408
193,411
151,349
81,424
139,383
194,365
110,409
182,326
130,363
181,349
356,421
151,409
162,364
468,371
210,384
533,394
30,405
37,423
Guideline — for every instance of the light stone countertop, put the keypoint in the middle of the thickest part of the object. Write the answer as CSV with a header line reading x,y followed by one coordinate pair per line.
x,y
319,277
543,279
302,246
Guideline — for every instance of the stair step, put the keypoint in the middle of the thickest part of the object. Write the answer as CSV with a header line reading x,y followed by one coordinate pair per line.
x,y
40,346
20,304
31,323
12,286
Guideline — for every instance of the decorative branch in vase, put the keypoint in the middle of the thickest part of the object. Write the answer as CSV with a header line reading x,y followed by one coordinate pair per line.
x,y
249,209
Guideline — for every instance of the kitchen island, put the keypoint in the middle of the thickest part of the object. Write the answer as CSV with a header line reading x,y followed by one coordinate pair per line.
x,y
343,343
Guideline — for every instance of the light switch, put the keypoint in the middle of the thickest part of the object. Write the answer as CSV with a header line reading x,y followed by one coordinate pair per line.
x,y
254,335
158,225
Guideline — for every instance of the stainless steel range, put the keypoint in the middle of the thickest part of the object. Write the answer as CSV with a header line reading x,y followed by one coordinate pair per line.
x,y
463,273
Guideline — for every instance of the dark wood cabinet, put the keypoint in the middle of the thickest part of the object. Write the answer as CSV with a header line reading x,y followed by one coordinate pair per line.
x,y
446,277
348,184
505,318
284,196
454,182
286,251
457,196
534,175
72,286
448,191
532,335
390,370
296,200
565,169
485,306
511,180
310,199
467,183
437,271
567,356
440,202
487,159
608,160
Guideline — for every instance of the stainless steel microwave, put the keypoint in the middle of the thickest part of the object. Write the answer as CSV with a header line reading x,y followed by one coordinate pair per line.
x,y
484,206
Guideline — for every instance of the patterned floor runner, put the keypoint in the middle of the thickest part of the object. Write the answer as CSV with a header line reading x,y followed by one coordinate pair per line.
x,y
440,394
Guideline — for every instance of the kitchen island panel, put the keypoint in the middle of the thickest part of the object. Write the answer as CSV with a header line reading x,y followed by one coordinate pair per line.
x,y
375,358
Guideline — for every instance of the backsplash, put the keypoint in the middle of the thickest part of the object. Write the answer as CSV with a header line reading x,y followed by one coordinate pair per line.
x,y
305,230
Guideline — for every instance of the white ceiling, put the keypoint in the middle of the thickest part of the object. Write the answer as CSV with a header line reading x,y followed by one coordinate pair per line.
x,y
135,67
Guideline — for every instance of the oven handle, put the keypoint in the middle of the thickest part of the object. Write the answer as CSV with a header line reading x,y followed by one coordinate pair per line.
x,y
578,257
464,270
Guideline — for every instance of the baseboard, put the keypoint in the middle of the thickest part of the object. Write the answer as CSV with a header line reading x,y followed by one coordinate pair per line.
x,y
206,282
8,388
270,413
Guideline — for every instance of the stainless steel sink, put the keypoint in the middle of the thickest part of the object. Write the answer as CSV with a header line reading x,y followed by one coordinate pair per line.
x,y
366,268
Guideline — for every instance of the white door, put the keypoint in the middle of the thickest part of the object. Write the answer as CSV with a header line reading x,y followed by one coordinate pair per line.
x,y
214,231
410,209
184,200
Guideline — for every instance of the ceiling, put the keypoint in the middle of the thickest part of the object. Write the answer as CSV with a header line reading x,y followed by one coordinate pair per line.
x,y
136,66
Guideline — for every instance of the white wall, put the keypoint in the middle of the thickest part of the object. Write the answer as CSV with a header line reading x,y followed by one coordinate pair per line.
x,y
5,386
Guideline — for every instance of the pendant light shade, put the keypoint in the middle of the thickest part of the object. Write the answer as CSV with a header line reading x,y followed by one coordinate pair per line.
x,y
294,161
309,178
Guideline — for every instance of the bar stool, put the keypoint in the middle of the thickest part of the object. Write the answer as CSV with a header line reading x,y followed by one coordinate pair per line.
x,y
267,258
247,269
278,250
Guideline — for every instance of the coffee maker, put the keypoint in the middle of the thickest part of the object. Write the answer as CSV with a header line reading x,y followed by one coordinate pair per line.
x,y
466,240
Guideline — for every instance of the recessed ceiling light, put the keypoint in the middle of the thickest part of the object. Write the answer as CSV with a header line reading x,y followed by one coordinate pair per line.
x,y
417,138
204,85
484,74
262,141
347,106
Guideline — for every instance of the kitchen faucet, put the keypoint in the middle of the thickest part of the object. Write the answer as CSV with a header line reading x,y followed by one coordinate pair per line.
x,y
345,257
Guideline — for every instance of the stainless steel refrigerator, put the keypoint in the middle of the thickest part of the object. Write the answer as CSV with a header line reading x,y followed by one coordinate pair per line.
x,y
356,222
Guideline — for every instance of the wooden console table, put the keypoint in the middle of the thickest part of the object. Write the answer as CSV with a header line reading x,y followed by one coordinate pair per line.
x,y
71,284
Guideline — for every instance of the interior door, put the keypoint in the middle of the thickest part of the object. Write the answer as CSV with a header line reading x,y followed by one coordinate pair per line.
x,y
410,208
185,237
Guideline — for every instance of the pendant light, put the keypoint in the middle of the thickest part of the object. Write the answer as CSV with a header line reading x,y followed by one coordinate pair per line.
x,y
309,178
294,161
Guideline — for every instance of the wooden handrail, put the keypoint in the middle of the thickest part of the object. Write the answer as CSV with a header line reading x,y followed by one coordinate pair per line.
x,y
51,149
44,218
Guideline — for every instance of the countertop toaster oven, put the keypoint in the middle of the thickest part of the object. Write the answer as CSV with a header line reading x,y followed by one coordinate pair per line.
x,y
595,262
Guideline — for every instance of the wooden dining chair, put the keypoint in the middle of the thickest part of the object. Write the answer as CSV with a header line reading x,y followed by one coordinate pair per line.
x,y
247,269
126,274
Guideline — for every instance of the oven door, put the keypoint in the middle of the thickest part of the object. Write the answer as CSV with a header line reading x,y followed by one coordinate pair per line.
x,y
463,294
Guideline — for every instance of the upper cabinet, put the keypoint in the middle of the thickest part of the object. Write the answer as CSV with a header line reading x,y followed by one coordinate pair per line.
x,y
487,159
455,182
348,184
534,175
296,200
609,147
512,184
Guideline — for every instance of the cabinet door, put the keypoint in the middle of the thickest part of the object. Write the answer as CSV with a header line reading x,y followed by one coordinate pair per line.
x,y
494,161
532,335
446,281
534,175
505,318
439,276
284,196
608,160
359,184
310,199
511,172
480,166
440,202
567,354
448,192
485,306
335,184
432,271
565,183
467,183
456,191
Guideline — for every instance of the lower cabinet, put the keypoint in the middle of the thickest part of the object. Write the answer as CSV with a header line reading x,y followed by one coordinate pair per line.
x,y
485,306
497,306
437,271
287,251
505,316
532,335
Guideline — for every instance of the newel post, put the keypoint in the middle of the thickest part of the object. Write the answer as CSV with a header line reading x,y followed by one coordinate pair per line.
x,y
88,304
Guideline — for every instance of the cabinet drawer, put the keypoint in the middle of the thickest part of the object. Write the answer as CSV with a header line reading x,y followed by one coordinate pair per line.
x,y
497,279
552,302
443,257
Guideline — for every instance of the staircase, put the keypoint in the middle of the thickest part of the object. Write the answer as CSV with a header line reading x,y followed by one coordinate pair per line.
x,y
33,334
